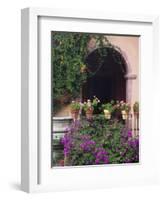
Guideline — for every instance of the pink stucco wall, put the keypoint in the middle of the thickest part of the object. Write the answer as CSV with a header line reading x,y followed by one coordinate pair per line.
x,y
129,45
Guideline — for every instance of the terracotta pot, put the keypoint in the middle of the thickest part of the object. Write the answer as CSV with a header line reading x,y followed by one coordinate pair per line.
x,y
107,114
75,114
61,162
89,113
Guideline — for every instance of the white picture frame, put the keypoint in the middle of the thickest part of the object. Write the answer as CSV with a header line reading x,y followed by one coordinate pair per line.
x,y
36,173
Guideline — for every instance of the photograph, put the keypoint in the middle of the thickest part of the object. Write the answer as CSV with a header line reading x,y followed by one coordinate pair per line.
x,y
95,98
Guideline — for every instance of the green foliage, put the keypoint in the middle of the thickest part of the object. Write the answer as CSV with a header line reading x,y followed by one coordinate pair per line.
x,y
108,106
125,106
75,105
69,51
136,107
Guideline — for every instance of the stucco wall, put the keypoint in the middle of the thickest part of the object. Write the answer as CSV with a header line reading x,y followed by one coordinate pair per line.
x,y
129,46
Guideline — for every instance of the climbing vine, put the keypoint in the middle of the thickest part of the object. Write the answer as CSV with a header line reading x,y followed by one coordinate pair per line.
x,y
69,51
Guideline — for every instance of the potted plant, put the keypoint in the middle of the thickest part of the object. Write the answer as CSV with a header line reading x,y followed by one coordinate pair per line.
x,y
90,106
75,108
88,109
136,108
108,109
125,109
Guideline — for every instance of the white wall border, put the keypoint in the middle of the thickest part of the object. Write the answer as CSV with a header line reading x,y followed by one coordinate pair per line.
x,y
30,113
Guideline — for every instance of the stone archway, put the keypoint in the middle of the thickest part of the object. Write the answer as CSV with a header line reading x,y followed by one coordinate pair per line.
x,y
107,71
131,76
119,43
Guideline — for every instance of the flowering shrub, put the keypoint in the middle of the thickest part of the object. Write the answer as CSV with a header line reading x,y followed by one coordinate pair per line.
x,y
101,156
99,141
67,141
87,145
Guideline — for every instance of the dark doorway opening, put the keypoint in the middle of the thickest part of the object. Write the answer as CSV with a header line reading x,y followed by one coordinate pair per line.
x,y
106,79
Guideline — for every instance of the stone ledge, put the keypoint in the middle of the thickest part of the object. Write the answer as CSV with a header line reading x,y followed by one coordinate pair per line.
x,y
130,76
62,118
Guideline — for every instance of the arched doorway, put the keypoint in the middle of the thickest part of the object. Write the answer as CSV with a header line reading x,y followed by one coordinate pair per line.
x,y
107,69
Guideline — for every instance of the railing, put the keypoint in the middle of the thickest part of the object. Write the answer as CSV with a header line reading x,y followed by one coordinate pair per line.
x,y
60,123
132,123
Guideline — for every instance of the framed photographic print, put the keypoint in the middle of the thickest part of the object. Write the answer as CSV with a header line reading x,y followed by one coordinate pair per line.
x,y
87,114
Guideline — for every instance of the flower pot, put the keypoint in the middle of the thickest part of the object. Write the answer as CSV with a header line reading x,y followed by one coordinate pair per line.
x,y
89,113
124,115
107,114
75,114
61,162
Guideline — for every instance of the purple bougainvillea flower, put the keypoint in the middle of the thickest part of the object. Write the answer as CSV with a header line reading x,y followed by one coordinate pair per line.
x,y
101,156
129,133
89,150
87,145
85,137
66,141
134,142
